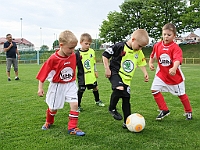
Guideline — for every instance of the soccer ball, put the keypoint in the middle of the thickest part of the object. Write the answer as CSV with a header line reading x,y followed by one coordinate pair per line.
x,y
135,122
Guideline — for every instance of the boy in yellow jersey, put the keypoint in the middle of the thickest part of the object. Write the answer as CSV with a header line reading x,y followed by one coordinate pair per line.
x,y
87,72
125,57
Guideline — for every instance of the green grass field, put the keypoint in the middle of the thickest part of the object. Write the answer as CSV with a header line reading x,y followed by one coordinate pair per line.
x,y
23,114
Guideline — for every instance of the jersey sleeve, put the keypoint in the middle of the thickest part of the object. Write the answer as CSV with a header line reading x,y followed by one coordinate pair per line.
x,y
177,54
44,71
153,53
142,60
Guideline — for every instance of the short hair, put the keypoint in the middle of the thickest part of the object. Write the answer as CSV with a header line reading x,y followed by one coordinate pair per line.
x,y
8,35
171,27
67,37
85,36
141,36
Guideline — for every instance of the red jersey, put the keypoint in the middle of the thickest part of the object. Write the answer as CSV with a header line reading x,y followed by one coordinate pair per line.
x,y
58,69
166,55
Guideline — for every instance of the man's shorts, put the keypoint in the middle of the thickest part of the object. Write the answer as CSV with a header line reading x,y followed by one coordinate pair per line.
x,y
88,86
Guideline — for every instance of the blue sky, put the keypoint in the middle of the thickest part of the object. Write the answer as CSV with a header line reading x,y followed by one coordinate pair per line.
x,y
43,20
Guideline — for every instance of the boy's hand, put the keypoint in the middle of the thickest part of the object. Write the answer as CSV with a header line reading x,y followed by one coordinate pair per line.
x,y
151,67
146,78
107,73
96,74
41,92
172,71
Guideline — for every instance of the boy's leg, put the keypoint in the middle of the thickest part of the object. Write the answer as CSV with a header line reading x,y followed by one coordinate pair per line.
x,y
49,118
164,111
96,96
126,107
187,107
115,96
73,121
80,95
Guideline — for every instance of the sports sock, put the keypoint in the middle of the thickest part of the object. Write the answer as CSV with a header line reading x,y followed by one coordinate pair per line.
x,y
186,103
73,120
126,107
80,95
160,101
50,116
115,96
96,95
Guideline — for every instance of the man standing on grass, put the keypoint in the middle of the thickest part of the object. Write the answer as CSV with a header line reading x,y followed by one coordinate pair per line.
x,y
11,50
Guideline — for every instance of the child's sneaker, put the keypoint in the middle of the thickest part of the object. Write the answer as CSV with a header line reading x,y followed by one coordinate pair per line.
x,y
124,126
79,109
100,103
76,131
46,126
188,115
162,114
16,78
115,114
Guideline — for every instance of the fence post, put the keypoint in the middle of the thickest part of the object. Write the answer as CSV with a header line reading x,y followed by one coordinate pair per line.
x,y
38,57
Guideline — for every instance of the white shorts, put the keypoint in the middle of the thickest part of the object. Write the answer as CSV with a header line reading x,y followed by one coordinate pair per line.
x,y
59,93
159,85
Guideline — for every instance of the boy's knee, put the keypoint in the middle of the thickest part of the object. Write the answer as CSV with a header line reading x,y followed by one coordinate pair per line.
x,y
120,88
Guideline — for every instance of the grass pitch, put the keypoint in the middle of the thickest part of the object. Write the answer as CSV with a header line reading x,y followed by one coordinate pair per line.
x,y
23,114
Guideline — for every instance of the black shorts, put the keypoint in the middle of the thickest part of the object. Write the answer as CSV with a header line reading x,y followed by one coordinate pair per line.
x,y
88,86
116,81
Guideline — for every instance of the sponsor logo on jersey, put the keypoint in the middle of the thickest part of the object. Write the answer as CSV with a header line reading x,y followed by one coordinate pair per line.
x,y
165,60
128,66
66,74
87,64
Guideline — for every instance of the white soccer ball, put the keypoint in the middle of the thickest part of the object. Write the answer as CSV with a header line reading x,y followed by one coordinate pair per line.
x,y
135,122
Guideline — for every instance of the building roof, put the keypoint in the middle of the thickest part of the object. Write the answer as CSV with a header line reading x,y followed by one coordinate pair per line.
x,y
191,35
17,41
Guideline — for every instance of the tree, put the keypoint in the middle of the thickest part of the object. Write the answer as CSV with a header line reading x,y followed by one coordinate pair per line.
x,y
112,29
55,44
148,14
191,19
44,48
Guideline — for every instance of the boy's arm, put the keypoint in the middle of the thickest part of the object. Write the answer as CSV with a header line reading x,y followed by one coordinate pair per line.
x,y
40,89
151,66
106,67
146,76
172,71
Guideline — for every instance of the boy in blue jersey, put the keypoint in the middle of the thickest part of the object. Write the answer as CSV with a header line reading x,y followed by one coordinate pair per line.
x,y
125,57
87,73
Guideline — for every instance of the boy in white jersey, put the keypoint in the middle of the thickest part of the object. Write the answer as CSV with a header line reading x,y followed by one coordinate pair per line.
x,y
125,57
60,71
169,77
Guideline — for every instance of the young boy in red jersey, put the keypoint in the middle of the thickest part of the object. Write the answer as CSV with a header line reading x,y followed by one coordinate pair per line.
x,y
60,71
169,77
87,72
125,57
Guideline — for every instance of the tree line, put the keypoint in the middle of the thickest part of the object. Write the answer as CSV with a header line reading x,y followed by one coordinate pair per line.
x,y
150,15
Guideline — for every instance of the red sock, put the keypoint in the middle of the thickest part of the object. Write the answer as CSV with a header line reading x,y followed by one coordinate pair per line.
x,y
50,116
186,103
73,120
160,101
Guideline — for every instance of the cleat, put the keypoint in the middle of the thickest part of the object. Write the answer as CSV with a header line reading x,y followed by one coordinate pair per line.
x,y
76,131
100,103
79,109
124,126
9,79
16,78
115,114
188,115
46,126
162,114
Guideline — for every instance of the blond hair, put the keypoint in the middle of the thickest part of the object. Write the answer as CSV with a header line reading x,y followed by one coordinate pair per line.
x,y
67,37
170,26
141,36
85,37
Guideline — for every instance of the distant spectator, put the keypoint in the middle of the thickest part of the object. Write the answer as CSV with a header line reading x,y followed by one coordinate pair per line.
x,y
11,50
